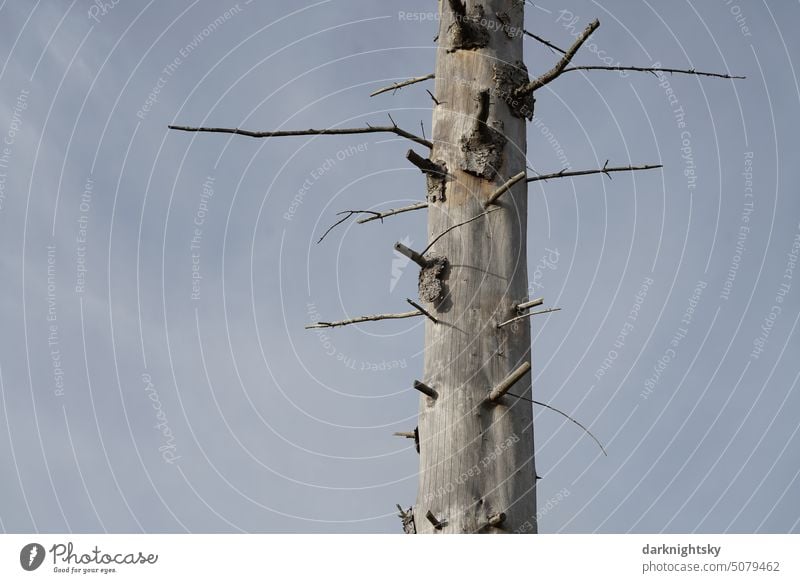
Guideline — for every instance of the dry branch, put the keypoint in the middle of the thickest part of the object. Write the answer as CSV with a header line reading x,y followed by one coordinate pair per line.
x,y
426,390
443,233
531,304
545,42
360,319
651,70
425,312
401,84
425,165
604,170
343,219
411,254
528,315
390,212
508,382
562,63
560,412
505,187
392,129
437,524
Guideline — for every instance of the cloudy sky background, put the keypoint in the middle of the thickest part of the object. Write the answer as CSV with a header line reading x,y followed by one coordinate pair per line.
x,y
273,428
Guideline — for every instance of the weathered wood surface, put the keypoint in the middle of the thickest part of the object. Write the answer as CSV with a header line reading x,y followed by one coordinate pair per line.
x,y
476,457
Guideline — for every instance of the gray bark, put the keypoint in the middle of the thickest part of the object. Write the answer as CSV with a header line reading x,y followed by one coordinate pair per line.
x,y
476,457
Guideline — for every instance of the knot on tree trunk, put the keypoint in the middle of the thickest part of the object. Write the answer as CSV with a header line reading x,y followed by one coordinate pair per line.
x,y
467,31
483,146
431,280
508,78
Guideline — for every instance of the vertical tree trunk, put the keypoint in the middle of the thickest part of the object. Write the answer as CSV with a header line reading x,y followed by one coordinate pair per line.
x,y
476,457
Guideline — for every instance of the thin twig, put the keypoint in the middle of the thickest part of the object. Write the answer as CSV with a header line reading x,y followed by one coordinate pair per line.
x,y
447,230
390,212
436,101
652,70
423,310
401,84
393,129
544,42
528,315
364,319
562,63
604,170
565,415
343,219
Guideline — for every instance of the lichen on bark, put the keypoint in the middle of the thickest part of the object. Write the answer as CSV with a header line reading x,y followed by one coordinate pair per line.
x,y
467,31
431,285
507,79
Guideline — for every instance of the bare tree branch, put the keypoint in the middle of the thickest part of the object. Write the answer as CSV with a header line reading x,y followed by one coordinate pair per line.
x,y
505,187
390,212
576,422
392,129
412,255
508,382
423,310
436,101
604,170
562,63
347,214
530,304
652,70
401,84
360,319
545,43
443,233
528,315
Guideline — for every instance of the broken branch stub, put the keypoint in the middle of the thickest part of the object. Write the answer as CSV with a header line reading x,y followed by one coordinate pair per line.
x,y
531,304
435,175
411,254
437,524
508,382
426,390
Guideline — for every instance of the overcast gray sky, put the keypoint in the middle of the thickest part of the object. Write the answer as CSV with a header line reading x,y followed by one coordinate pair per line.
x,y
156,374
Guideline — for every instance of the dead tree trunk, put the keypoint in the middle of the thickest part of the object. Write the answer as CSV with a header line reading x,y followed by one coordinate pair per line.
x,y
475,437
476,456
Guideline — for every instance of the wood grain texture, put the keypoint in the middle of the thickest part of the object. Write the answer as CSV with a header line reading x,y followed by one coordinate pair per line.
x,y
476,458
